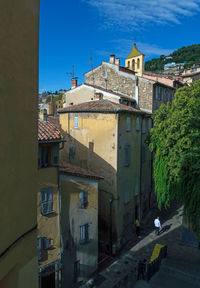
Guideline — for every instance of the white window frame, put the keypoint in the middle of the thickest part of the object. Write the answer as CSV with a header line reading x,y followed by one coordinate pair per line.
x,y
46,200
76,122
84,233
83,198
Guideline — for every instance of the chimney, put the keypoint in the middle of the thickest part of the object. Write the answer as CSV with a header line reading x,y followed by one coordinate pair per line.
x,y
112,58
43,115
117,61
74,82
98,95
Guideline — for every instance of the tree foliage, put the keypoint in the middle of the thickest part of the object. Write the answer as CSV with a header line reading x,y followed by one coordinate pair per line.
x,y
175,141
190,55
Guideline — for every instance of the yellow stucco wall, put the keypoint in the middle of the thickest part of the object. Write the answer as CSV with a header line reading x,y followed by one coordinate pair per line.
x,y
138,69
48,225
84,94
19,30
72,218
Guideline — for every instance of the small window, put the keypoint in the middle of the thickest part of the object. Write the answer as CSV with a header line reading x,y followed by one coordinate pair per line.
x,y
46,201
133,64
143,126
127,192
83,199
127,155
128,64
136,186
128,124
149,124
84,233
76,122
44,156
137,124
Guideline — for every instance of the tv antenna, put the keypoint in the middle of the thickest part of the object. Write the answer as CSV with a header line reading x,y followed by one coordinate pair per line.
x,y
71,73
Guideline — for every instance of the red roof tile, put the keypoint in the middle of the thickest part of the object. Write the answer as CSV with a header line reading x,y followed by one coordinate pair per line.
x,y
48,132
77,171
101,106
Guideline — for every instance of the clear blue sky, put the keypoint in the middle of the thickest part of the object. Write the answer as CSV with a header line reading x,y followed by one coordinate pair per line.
x,y
73,30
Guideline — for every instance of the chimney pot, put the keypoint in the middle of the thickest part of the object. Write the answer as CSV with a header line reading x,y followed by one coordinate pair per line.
x,y
74,82
117,61
112,58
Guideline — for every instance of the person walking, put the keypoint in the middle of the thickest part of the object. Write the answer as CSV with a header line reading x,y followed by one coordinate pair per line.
x,y
137,228
157,225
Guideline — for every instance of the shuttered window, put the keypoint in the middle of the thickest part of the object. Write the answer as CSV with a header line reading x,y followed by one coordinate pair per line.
x,y
39,243
83,199
46,201
128,124
137,127
47,243
143,126
127,155
84,233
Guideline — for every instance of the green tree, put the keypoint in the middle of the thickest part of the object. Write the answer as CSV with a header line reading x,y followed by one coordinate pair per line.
x,y
175,141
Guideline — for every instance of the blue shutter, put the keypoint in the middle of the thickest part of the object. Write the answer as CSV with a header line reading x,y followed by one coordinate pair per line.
x,y
47,243
56,154
137,126
143,126
39,240
128,124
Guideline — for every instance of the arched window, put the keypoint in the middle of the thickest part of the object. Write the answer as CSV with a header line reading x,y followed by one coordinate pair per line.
x,y
128,64
133,64
138,63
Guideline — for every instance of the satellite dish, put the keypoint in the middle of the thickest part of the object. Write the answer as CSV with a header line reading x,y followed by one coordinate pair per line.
x,y
104,74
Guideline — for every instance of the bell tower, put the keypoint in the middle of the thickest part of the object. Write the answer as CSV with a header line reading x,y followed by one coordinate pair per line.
x,y
135,61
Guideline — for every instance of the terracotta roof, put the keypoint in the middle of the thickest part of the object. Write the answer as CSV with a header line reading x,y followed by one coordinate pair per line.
x,y
101,106
48,132
77,171
110,91
190,74
54,120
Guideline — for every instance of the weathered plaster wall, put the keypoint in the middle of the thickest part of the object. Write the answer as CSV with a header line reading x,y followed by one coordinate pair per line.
x,y
72,218
19,30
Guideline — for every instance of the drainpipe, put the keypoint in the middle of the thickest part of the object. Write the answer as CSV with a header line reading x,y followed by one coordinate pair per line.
x,y
140,194
110,202
59,225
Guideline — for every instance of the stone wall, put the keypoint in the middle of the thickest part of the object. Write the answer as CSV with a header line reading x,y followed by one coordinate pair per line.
x,y
145,94
117,80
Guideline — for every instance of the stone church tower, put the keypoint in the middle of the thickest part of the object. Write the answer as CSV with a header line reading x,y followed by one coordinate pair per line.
x,y
135,61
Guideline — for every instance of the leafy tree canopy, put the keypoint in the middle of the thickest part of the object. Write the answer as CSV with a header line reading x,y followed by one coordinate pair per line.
x,y
175,141
55,98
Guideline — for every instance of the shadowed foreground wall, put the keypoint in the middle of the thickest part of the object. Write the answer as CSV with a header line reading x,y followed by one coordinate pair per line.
x,y
19,32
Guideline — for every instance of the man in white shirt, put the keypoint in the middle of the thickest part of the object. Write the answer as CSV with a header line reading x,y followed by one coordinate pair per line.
x,y
157,225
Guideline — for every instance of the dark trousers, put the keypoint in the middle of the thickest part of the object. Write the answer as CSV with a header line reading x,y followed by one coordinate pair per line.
x,y
137,231
157,230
